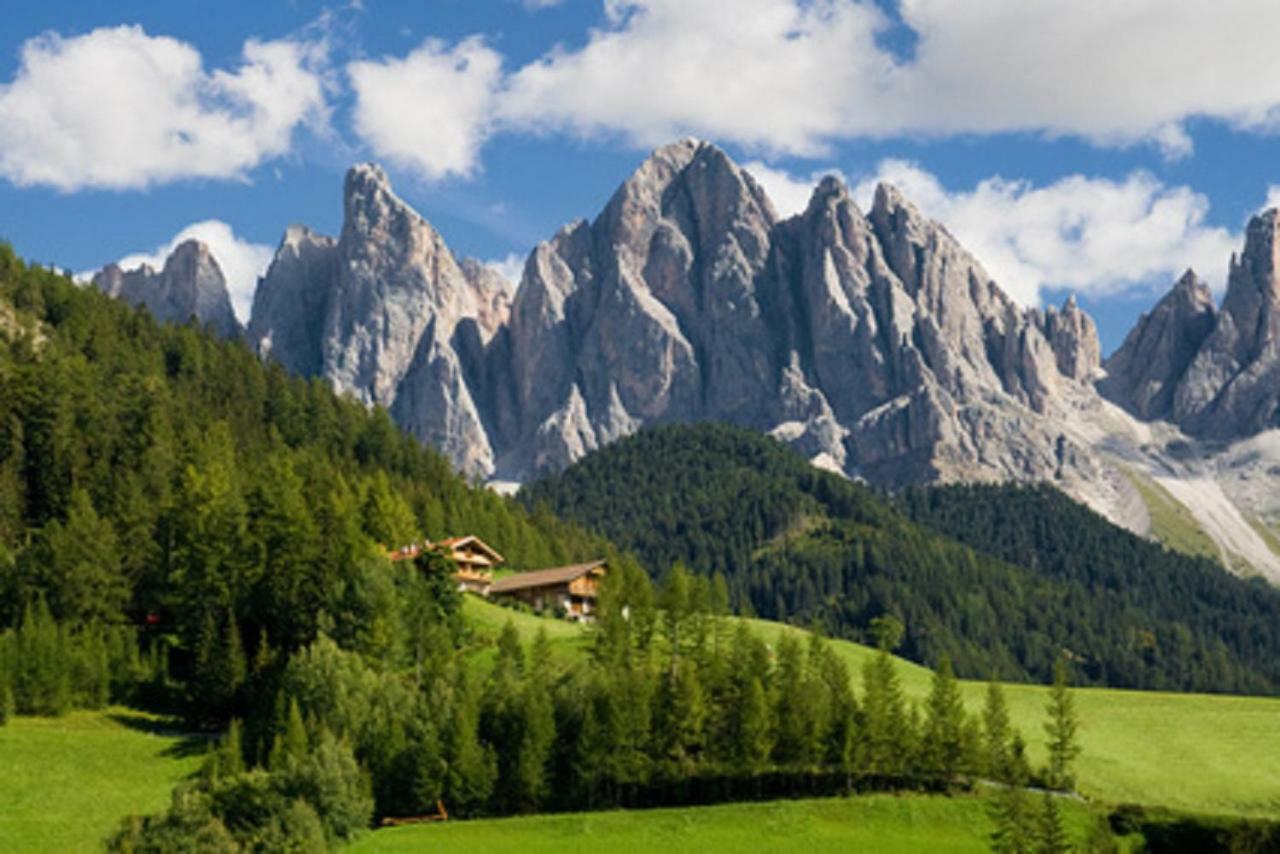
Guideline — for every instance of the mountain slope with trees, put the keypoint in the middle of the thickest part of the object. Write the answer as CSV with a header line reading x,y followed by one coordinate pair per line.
x,y
802,545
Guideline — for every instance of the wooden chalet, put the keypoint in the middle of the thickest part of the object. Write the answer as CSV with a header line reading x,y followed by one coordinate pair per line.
x,y
571,590
475,560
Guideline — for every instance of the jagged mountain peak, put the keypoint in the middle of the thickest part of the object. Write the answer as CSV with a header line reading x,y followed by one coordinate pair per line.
x,y
689,176
189,284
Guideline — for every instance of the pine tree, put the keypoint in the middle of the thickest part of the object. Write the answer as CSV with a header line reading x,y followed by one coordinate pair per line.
x,y
85,583
290,745
752,735
995,732
1062,729
680,712
1015,823
886,730
228,759
472,768
674,601
537,737
1052,832
944,738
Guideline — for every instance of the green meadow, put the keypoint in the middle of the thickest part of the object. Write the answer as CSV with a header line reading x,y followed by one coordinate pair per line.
x,y
886,824
1197,752
65,783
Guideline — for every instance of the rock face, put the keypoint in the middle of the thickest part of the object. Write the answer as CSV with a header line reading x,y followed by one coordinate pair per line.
x,y
873,342
1216,374
191,285
1232,387
1144,373
384,312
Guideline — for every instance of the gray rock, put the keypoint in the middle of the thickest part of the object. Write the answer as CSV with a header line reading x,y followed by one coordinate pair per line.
x,y
1232,387
1144,373
291,303
874,343
191,286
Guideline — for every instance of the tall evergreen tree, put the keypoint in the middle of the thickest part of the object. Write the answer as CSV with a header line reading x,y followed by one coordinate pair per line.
x,y
1016,830
1053,837
995,734
1062,729
943,740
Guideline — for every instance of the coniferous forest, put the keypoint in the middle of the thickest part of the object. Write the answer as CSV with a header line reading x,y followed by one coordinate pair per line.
x,y
187,530
998,579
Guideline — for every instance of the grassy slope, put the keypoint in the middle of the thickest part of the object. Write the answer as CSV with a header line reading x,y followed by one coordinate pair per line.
x,y
881,823
1213,754
1171,522
65,783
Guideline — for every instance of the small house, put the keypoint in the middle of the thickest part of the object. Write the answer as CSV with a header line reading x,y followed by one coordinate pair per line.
x,y
474,558
570,590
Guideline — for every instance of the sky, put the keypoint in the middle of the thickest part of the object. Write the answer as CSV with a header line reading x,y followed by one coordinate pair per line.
x,y
1074,147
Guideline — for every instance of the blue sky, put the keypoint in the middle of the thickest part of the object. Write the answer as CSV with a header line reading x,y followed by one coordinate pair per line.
x,y
1099,154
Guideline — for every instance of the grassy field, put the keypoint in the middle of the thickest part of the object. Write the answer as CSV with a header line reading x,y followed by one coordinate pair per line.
x,y
1171,522
881,823
1213,754
65,783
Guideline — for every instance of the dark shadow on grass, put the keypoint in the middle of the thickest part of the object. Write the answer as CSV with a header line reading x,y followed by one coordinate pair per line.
x,y
186,743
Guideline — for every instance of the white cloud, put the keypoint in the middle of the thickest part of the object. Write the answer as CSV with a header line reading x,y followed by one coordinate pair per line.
x,y
1273,197
790,195
795,76
241,262
431,111
510,268
1092,235
119,109
774,74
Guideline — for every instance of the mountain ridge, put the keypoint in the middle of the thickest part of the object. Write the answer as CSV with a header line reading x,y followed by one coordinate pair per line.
x,y
872,342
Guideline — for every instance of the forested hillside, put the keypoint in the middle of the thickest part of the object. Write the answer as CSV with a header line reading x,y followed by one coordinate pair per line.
x,y
159,478
802,545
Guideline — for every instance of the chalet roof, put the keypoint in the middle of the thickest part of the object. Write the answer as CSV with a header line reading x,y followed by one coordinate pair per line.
x,y
544,577
453,543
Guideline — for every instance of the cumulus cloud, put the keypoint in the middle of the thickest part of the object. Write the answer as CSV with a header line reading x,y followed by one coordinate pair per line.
x,y
790,195
241,261
796,76
116,108
1091,235
432,110
510,268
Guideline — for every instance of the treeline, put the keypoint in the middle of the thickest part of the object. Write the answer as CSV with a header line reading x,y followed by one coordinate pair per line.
x,y
157,480
675,705
1000,582
1182,599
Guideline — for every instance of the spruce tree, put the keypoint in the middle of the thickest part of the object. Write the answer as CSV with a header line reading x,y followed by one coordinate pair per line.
x,y
228,759
1015,830
1052,836
1062,729
995,733
752,732
944,739
886,729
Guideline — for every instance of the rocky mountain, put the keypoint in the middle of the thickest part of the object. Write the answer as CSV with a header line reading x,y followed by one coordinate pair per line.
x,y
1214,373
1143,375
383,312
872,341
190,285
